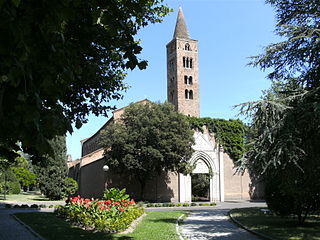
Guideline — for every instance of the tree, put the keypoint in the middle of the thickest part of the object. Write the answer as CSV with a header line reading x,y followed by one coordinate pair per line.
x,y
60,61
285,129
149,139
52,171
25,177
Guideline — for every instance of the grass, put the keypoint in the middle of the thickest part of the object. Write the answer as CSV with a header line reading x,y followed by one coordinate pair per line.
x,y
155,226
26,197
284,228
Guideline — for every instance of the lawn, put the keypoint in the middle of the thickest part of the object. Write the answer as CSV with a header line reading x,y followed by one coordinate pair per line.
x,y
155,226
27,197
284,228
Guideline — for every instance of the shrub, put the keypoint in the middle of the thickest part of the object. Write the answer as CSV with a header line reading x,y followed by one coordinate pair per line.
x,y
171,205
115,194
150,205
204,204
193,204
186,204
8,205
34,206
24,206
13,187
213,204
101,215
178,205
70,187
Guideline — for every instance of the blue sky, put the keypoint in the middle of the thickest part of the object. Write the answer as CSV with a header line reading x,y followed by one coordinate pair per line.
x,y
228,31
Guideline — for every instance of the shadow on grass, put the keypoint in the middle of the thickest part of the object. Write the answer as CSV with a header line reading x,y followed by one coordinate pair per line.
x,y
51,227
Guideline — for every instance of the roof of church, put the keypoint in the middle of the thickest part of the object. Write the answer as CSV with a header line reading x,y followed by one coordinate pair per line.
x,y
181,30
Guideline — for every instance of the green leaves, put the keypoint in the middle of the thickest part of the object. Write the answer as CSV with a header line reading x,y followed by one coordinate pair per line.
x,y
150,138
62,60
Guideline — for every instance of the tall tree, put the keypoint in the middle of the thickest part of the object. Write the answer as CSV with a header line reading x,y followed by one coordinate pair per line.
x,y
52,171
285,128
61,60
149,139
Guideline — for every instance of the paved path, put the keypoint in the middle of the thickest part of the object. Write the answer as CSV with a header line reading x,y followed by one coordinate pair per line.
x,y
11,229
215,223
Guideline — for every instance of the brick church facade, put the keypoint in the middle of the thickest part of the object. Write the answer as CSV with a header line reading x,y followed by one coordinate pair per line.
x,y
209,157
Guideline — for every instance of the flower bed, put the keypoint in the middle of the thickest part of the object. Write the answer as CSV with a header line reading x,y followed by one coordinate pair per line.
x,y
101,215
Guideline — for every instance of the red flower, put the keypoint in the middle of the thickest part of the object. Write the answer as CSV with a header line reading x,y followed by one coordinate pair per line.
x,y
107,201
121,209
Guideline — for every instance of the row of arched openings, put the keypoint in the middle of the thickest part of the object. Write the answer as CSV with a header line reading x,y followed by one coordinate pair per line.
x,y
187,62
188,94
188,80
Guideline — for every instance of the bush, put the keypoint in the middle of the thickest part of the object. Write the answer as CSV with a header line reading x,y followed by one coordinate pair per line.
x,y
101,215
13,187
24,206
186,205
150,205
213,204
178,205
193,204
70,187
115,194
34,206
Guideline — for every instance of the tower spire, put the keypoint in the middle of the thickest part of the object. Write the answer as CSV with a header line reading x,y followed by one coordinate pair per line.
x,y
181,30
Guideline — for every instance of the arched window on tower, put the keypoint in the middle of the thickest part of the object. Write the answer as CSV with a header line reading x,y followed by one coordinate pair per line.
x,y
184,61
187,47
190,80
190,62
186,94
185,79
190,94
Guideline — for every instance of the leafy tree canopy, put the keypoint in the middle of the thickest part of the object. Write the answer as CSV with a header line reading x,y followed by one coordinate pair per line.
x,y
149,138
285,134
61,60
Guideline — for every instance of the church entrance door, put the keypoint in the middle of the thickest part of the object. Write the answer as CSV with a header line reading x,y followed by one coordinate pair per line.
x,y
200,187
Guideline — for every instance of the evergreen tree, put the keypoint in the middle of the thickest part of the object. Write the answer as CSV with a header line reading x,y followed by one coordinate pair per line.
x,y
52,171
284,146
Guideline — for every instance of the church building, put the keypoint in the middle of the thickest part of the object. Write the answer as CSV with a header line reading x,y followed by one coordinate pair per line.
x,y
209,157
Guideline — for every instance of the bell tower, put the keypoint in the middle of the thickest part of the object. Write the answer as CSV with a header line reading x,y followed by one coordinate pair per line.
x,y
182,70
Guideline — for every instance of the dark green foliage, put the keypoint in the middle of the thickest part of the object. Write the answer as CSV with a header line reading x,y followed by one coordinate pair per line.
x,y
9,182
149,139
229,133
200,185
60,60
13,187
70,187
52,172
283,148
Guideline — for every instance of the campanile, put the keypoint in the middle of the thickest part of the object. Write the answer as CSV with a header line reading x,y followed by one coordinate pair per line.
x,y
182,70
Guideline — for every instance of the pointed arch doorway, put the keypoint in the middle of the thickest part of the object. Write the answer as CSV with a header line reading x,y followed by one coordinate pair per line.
x,y
204,164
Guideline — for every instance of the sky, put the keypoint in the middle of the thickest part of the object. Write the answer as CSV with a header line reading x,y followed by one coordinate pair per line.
x,y
228,33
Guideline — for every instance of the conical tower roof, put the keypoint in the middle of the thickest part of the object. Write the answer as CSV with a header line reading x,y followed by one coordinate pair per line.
x,y
181,30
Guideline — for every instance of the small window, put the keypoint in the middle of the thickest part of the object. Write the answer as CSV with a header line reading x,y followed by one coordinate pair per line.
x,y
184,61
185,79
190,80
190,62
186,94
187,47
190,94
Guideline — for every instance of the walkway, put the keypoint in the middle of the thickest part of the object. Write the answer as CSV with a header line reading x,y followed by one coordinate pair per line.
x,y
11,229
215,223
